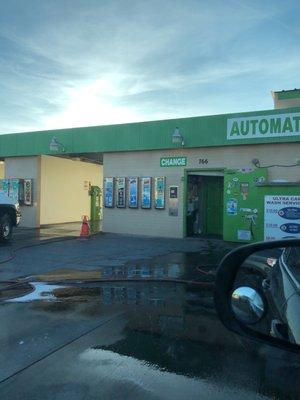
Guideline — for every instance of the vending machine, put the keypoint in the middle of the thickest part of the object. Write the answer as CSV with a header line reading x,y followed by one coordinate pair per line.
x,y
95,193
27,194
243,208
17,190
96,208
4,187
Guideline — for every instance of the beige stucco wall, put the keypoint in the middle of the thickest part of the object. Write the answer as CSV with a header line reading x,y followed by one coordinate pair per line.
x,y
64,197
26,167
143,164
2,170
139,221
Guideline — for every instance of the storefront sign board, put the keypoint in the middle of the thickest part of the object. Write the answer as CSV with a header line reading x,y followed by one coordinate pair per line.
x,y
255,127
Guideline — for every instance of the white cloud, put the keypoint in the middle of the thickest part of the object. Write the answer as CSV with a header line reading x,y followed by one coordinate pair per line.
x,y
92,104
89,62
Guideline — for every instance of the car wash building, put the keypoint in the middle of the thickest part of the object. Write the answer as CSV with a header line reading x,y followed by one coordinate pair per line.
x,y
235,176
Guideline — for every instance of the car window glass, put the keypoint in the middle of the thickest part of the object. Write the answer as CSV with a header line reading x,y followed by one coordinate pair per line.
x,y
293,261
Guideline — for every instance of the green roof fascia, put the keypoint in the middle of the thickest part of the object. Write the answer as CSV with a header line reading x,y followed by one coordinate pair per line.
x,y
206,131
288,94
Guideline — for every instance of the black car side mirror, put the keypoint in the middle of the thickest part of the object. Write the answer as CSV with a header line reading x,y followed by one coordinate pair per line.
x,y
257,292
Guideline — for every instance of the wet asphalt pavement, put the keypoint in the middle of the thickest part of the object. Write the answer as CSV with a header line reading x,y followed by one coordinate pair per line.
x,y
125,318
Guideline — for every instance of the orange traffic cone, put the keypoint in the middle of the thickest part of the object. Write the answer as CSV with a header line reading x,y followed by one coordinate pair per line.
x,y
85,229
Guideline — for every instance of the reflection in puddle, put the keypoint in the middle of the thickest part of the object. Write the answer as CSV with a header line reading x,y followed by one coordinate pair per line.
x,y
159,307
40,291
173,270
145,379
190,266
154,294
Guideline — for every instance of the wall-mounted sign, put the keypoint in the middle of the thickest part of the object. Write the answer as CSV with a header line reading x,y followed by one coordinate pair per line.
x,y
277,125
121,192
108,192
232,206
173,161
244,190
244,234
133,192
146,192
87,185
159,192
282,217
173,201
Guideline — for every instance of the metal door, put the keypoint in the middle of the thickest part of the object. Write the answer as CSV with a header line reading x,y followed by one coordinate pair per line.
x,y
213,205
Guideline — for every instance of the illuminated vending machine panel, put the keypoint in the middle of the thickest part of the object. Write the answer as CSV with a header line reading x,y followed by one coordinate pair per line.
x,y
17,190
28,192
4,187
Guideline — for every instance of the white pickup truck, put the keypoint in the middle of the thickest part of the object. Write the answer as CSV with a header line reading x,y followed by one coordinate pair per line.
x,y
10,216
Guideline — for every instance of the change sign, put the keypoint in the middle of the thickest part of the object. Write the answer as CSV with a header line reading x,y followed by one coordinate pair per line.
x,y
173,162
278,125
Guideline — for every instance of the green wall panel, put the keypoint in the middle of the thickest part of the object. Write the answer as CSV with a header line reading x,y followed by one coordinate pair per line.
x,y
241,201
236,221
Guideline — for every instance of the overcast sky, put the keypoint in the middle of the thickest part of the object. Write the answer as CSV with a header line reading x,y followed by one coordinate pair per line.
x,y
67,63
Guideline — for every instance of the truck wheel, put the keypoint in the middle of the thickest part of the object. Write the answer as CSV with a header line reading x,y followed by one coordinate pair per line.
x,y
6,228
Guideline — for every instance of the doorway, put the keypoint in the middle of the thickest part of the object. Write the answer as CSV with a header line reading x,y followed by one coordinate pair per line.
x,y
204,205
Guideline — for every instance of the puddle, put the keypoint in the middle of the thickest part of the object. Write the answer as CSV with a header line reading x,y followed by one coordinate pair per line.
x,y
197,266
140,379
154,294
113,283
168,309
170,332
37,291
170,329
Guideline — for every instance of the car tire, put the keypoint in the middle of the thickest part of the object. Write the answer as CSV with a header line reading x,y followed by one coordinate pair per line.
x,y
6,228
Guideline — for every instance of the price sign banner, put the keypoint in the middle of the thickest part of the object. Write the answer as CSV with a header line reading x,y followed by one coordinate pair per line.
x,y
282,217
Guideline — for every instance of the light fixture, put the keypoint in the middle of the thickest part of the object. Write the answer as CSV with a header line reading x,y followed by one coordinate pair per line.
x,y
177,137
256,162
55,145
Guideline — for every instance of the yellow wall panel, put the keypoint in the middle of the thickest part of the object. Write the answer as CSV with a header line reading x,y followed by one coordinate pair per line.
x,y
2,172
64,191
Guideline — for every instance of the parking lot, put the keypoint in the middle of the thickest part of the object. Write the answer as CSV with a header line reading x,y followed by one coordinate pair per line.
x,y
119,316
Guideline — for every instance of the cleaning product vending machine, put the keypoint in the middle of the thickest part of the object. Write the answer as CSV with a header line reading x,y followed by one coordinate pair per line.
x,y
17,190
243,206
